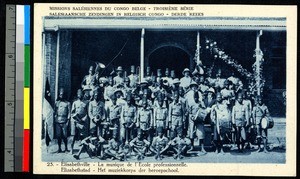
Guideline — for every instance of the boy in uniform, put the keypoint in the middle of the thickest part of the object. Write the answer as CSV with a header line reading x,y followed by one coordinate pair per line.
x,y
114,149
180,145
88,78
176,115
160,144
139,145
197,114
128,119
220,116
160,115
62,114
133,77
92,144
113,112
145,119
96,112
79,120
260,110
240,119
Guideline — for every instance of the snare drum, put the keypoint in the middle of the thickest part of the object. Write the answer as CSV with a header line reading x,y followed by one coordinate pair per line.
x,y
267,123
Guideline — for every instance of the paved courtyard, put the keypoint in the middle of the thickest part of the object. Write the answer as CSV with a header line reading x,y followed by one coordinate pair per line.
x,y
276,142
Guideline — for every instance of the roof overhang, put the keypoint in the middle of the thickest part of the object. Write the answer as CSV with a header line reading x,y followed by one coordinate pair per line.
x,y
53,23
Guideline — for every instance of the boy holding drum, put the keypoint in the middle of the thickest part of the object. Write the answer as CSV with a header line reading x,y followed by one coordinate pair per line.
x,y
259,112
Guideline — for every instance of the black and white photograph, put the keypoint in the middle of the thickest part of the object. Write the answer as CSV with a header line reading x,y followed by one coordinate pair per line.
x,y
163,89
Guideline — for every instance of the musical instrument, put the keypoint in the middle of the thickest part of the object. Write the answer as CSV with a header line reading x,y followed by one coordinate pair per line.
x,y
267,123
200,115
76,117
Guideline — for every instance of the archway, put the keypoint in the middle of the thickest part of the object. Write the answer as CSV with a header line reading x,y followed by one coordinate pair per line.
x,y
169,56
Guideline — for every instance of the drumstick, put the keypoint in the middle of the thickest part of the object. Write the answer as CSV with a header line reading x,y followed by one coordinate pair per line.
x,y
217,124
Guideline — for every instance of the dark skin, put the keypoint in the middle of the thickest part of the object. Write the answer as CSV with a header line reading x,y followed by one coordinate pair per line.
x,y
85,145
59,140
91,70
97,98
79,96
219,98
128,101
62,95
220,142
126,83
196,79
158,152
176,97
145,93
114,155
201,142
240,99
227,86
167,74
187,74
114,100
145,105
194,87
160,103
201,79
240,148
260,103
86,95
140,153
111,82
178,154
119,73
172,74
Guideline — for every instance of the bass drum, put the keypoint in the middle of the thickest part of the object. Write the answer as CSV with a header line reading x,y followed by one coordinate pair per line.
x,y
267,123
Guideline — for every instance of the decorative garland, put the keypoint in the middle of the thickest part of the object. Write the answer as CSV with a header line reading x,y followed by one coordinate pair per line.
x,y
253,78
258,77
219,53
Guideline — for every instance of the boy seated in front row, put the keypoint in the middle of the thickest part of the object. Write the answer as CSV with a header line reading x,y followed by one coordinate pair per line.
x,y
160,144
139,145
92,144
180,145
114,149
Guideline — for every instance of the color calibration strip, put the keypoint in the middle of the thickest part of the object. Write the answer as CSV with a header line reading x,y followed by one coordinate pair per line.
x,y
26,134
17,91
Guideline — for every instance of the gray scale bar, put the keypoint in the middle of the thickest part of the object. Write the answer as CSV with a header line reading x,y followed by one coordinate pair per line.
x,y
19,92
10,82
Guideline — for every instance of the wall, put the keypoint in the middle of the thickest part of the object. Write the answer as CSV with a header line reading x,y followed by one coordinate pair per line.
x,y
50,58
50,61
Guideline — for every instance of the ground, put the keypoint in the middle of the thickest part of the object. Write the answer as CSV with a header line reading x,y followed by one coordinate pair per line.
x,y
276,142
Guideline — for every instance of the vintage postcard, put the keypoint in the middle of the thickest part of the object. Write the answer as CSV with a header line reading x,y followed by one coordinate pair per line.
x,y
144,89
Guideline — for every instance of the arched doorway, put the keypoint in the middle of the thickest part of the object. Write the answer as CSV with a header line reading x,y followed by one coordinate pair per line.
x,y
169,56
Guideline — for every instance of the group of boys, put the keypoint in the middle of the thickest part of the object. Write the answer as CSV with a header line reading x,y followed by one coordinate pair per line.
x,y
120,116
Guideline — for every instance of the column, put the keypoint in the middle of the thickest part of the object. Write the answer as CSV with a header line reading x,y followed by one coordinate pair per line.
x,y
57,65
259,57
142,68
198,47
